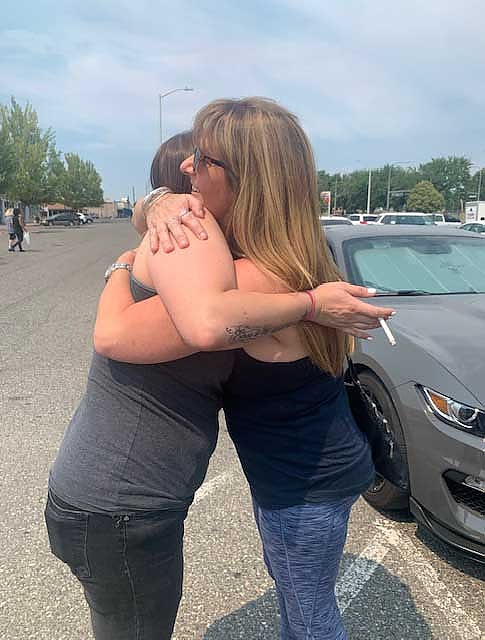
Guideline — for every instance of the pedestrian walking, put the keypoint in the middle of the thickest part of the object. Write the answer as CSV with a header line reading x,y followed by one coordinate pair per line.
x,y
286,408
15,228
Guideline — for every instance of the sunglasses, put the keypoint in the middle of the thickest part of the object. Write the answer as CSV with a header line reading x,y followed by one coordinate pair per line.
x,y
200,157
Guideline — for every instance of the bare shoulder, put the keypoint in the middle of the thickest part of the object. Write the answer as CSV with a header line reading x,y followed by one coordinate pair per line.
x,y
250,277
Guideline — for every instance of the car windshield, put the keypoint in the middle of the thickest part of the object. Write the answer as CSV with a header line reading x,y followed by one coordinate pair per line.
x,y
417,264
370,218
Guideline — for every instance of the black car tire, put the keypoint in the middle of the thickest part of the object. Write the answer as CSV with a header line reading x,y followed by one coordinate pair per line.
x,y
383,494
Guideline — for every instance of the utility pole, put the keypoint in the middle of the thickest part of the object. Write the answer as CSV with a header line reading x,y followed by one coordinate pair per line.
x,y
388,187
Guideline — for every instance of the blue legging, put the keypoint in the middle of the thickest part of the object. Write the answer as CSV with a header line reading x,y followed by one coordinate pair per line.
x,y
302,548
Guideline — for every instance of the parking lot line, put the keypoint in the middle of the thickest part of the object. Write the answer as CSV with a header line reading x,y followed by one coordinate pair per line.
x,y
354,579
442,599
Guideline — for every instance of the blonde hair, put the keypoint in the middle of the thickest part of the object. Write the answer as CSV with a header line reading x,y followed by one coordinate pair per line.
x,y
274,219
8,212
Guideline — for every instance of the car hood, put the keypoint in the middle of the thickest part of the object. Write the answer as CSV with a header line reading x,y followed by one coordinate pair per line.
x,y
450,328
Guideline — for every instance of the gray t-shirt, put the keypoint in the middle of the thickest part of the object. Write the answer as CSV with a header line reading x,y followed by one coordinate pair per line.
x,y
142,435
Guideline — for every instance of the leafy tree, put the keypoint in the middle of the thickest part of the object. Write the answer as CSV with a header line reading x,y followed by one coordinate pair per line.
x,y
55,176
94,190
426,198
82,183
30,146
7,160
451,176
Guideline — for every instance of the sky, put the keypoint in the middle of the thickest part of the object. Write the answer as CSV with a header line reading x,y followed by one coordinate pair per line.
x,y
372,81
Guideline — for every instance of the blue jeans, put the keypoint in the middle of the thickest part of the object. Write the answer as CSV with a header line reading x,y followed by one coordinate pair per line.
x,y
302,548
129,564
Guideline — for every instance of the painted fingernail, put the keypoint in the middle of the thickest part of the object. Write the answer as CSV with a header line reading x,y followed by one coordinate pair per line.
x,y
369,338
371,290
393,313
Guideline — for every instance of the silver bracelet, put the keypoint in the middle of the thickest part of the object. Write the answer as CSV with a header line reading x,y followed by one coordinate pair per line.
x,y
153,196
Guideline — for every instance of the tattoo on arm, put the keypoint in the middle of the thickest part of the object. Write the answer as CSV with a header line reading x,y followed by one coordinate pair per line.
x,y
245,334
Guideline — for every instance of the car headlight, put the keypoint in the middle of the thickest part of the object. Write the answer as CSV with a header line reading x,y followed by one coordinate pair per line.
x,y
462,416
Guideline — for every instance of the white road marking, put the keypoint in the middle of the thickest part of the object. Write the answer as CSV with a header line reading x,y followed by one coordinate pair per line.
x,y
358,574
351,583
442,599
210,485
354,579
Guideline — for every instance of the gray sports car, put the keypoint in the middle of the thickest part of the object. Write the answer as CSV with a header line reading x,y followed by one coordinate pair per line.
x,y
430,386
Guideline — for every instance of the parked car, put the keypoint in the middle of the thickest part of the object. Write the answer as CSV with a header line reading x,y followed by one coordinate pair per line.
x,y
330,221
84,218
430,386
363,218
411,217
66,218
445,219
476,227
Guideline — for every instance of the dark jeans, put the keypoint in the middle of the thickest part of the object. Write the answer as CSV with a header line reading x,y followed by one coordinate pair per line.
x,y
130,566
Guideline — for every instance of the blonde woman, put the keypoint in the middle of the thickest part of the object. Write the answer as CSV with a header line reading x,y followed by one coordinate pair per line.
x,y
286,408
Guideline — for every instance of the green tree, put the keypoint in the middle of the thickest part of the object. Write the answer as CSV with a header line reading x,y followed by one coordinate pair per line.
x,y
94,190
7,160
55,176
451,176
30,145
82,183
426,198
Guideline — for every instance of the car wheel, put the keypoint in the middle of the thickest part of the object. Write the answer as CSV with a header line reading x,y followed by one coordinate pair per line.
x,y
382,494
71,224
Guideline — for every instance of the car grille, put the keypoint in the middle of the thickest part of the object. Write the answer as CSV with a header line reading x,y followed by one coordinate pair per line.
x,y
469,497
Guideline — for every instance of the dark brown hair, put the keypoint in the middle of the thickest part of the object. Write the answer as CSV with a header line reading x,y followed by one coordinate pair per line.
x,y
165,170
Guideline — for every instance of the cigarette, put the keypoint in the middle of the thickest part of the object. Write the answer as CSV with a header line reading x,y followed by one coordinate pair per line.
x,y
387,331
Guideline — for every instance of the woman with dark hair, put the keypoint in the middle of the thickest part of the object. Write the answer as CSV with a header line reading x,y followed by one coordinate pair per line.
x,y
164,169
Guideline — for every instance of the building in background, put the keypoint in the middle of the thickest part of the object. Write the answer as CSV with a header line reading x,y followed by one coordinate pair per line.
x,y
475,211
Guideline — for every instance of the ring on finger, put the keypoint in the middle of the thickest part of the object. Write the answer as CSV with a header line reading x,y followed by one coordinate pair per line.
x,y
173,220
184,212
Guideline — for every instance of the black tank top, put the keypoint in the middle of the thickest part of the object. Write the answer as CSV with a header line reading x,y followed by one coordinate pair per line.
x,y
142,435
294,432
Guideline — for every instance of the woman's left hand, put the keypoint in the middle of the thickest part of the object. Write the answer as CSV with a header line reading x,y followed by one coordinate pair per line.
x,y
339,305
166,217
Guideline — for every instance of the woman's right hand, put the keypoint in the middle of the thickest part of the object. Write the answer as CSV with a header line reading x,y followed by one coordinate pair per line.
x,y
338,305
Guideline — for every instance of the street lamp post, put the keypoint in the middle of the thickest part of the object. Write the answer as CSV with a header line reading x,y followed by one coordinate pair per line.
x,y
335,199
388,197
164,95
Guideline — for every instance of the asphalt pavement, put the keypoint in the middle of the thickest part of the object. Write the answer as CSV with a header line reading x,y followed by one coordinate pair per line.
x,y
396,582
